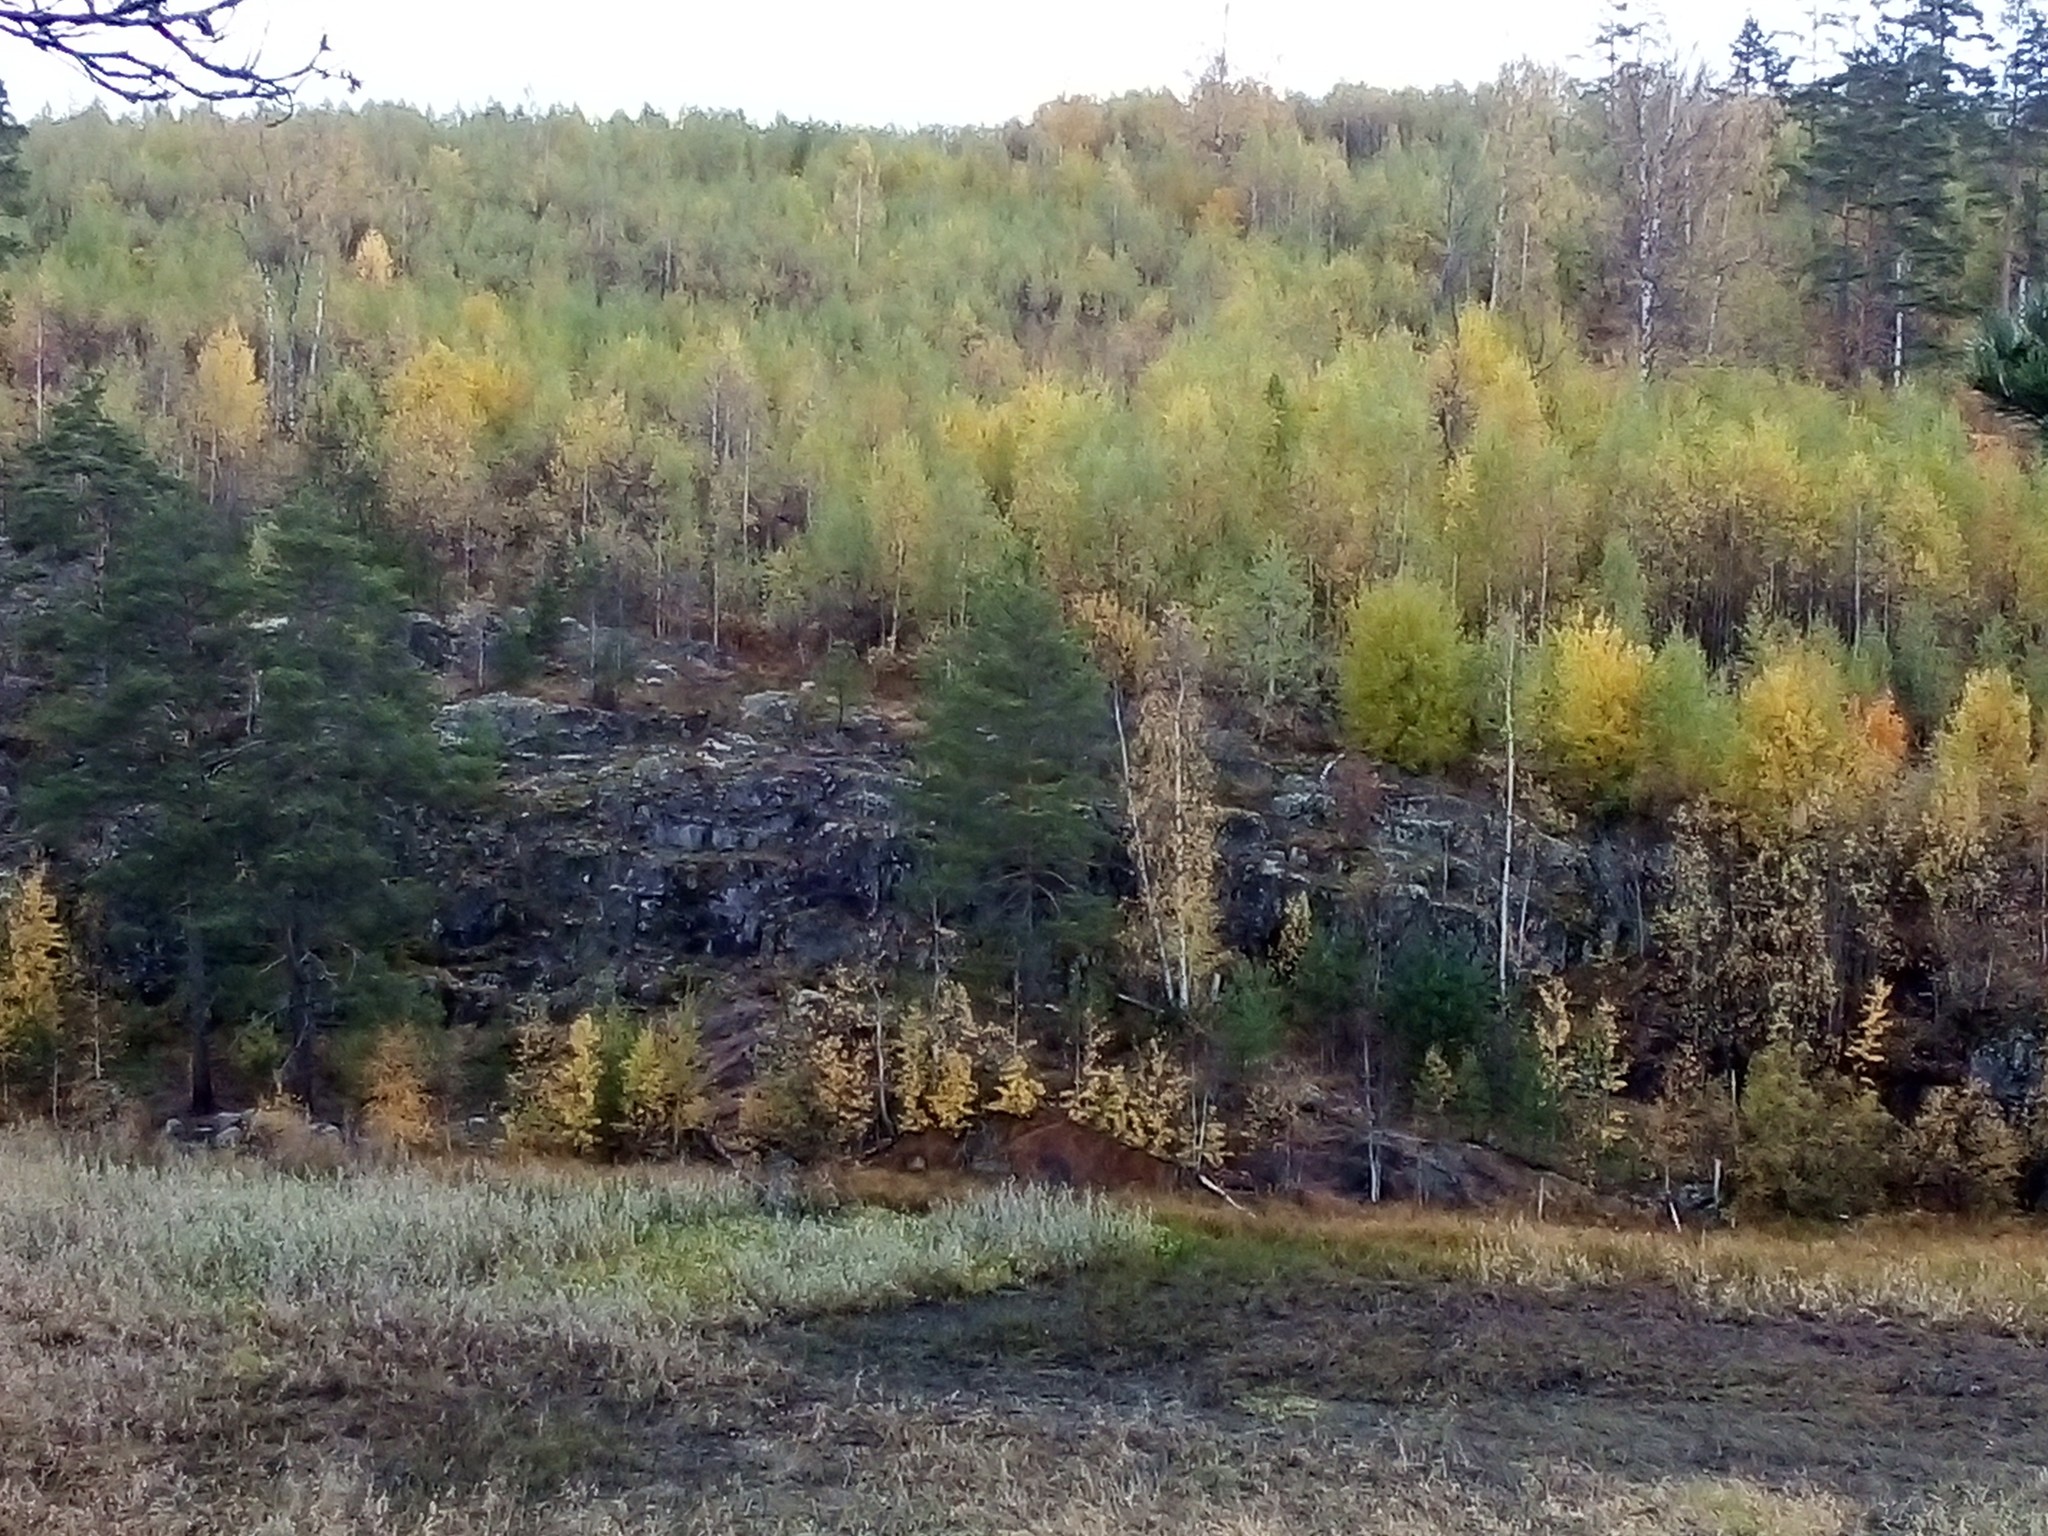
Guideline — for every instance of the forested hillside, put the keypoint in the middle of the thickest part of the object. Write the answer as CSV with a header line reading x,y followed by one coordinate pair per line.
x,y
1609,446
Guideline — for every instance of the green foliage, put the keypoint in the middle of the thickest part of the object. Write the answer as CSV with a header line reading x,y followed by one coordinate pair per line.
x,y
842,678
1257,621
1813,1143
1624,590
1687,723
1293,366
1327,984
251,719
1436,994
2009,360
1406,677
1926,671
1251,1020
82,483
1962,1154
1471,1102
1011,789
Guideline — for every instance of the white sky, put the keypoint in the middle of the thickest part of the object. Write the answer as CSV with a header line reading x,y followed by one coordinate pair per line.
x,y
906,62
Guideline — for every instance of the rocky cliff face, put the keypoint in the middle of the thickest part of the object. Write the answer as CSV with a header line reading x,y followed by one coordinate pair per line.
x,y
649,845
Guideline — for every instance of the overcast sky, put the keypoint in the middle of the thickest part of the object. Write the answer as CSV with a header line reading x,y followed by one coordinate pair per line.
x,y
906,62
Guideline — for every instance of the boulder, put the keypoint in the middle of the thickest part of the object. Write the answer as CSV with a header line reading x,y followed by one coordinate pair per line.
x,y
772,708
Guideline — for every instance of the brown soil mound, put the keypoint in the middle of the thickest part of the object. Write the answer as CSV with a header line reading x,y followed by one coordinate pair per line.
x,y
1084,1158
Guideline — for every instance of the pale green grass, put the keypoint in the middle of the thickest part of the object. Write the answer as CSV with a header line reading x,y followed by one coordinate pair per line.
x,y
209,1231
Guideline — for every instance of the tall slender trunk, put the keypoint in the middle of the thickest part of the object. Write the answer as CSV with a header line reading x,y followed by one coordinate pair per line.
x,y
39,368
1507,840
197,1006
319,330
1898,320
1148,894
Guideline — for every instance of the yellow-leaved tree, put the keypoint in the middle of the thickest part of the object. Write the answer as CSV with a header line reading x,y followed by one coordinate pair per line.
x,y
228,407
932,1084
560,1097
1148,1102
398,1106
439,402
1020,1092
1982,756
1982,762
662,1089
1174,819
594,439
35,970
1795,754
1867,1049
372,262
1590,724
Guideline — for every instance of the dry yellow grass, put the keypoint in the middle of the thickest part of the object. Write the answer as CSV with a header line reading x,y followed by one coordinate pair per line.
x,y
1928,1270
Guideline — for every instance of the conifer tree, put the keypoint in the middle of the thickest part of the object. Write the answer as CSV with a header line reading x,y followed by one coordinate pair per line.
x,y
1011,789
148,695
250,719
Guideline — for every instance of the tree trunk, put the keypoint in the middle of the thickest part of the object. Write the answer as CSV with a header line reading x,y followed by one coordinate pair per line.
x,y
198,1009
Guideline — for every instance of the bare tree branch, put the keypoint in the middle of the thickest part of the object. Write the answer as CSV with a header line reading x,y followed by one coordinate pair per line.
x,y
148,51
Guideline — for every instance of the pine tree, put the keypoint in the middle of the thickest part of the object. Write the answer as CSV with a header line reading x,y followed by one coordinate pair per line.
x,y
1011,789
1895,136
148,697
2023,155
252,721
1258,623
81,485
337,758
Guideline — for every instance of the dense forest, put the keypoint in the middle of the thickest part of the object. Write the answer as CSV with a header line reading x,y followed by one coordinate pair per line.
x,y
1656,448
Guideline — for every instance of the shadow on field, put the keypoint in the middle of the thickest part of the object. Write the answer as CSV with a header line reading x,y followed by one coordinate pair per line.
x,y
1632,1383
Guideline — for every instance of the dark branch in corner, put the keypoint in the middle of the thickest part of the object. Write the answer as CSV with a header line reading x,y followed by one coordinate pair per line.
x,y
150,51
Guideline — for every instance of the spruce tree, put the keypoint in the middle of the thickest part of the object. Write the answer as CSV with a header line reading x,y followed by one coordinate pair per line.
x,y
1011,789
1757,64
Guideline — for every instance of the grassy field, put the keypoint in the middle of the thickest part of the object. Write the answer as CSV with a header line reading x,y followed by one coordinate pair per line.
x,y
213,1346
